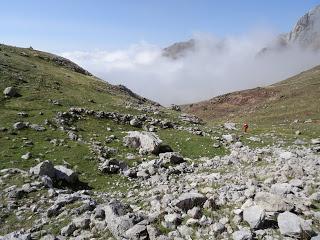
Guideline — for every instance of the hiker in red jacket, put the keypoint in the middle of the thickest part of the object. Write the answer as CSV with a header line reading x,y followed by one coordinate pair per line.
x,y
245,127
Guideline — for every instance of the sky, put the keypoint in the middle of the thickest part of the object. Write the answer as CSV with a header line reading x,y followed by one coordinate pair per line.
x,y
65,25
121,41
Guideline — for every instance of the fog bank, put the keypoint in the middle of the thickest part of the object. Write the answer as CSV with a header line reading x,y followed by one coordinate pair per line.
x,y
216,66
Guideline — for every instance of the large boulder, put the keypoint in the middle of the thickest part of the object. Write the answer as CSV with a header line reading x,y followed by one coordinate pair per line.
x,y
190,200
44,168
271,202
57,173
10,92
255,216
147,142
291,225
65,174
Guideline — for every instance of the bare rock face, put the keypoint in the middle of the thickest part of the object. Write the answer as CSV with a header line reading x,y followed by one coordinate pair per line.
x,y
306,32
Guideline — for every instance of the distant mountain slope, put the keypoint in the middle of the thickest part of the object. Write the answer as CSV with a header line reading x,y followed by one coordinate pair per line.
x,y
296,97
179,49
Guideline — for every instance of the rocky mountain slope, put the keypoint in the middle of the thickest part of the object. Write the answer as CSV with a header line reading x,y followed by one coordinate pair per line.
x,y
305,34
83,159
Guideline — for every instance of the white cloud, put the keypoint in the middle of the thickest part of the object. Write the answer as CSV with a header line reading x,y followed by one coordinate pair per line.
x,y
217,66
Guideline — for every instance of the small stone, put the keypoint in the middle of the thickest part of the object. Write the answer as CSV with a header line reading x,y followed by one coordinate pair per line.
x,y
27,156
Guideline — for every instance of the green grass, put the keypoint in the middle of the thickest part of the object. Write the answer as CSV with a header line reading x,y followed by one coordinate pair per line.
x,y
190,145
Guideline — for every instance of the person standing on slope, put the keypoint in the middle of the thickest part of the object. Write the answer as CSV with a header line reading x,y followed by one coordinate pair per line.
x,y
245,127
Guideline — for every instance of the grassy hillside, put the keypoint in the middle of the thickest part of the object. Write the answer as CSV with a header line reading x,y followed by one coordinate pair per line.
x,y
49,84
282,107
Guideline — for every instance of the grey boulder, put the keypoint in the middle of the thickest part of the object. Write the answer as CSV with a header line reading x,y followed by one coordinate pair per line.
x,y
190,200
44,168
254,216
291,225
147,142
65,174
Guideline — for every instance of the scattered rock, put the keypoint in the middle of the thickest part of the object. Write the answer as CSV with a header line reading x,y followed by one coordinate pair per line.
x,y
10,92
27,156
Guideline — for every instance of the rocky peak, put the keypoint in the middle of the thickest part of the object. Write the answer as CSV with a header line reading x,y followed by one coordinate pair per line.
x,y
306,32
